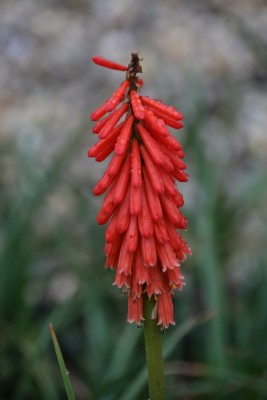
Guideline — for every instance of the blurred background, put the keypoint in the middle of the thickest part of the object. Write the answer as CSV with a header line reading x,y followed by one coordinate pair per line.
x,y
207,58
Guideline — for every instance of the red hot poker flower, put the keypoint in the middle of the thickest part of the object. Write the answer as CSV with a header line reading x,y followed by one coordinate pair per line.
x,y
142,203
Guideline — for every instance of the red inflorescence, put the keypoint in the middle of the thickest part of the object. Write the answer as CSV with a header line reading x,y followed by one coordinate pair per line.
x,y
142,204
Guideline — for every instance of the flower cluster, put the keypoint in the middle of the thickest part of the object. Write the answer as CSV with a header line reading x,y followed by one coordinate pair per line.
x,y
142,204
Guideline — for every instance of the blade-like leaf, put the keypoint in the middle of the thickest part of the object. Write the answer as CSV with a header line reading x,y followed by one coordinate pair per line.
x,y
63,370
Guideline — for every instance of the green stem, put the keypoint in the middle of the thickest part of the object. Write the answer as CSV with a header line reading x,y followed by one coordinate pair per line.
x,y
153,353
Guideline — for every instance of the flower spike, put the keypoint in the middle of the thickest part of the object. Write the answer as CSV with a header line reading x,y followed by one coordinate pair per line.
x,y
142,204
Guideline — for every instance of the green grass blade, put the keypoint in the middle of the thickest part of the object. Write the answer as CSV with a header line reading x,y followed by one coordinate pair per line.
x,y
123,353
63,370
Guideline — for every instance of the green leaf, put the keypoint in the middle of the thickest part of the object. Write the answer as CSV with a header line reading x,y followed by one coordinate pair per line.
x,y
63,370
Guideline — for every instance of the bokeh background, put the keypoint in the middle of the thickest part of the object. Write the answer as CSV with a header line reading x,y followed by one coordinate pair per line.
x,y
208,58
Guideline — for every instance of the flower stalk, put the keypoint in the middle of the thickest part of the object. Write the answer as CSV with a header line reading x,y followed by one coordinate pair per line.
x,y
154,356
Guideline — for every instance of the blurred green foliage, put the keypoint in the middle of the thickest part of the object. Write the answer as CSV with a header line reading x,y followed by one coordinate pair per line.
x,y
217,350
51,249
